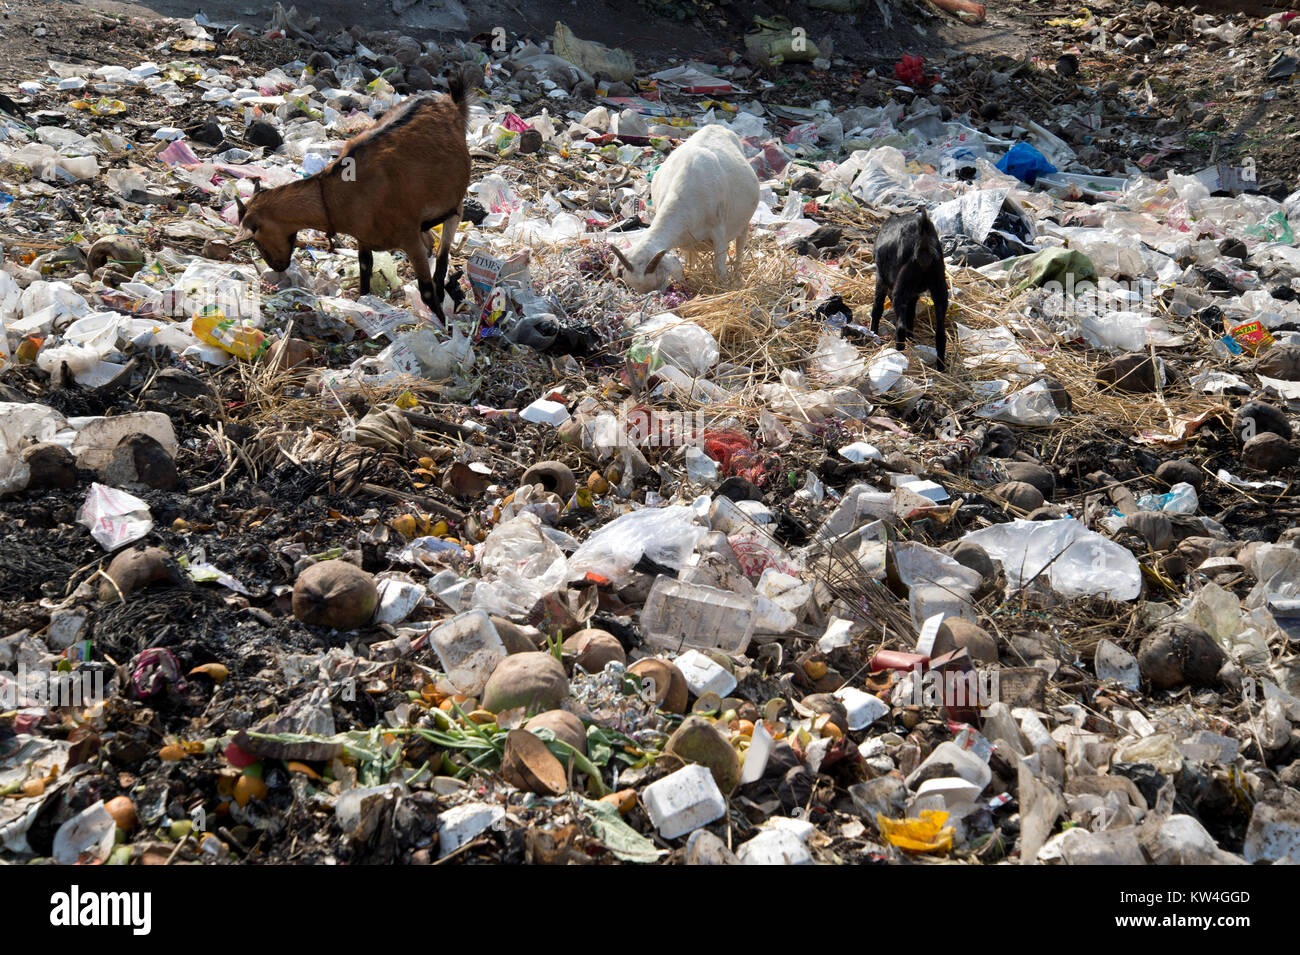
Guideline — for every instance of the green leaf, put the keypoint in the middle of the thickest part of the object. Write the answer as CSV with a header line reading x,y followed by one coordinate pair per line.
x,y
622,840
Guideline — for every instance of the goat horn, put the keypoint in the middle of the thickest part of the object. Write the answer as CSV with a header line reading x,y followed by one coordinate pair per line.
x,y
654,263
239,204
257,186
620,256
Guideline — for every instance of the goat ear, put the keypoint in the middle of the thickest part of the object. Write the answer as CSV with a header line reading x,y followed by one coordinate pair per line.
x,y
654,263
243,235
621,257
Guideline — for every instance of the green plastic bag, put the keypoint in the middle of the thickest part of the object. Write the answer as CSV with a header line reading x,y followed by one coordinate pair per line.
x,y
776,38
1070,267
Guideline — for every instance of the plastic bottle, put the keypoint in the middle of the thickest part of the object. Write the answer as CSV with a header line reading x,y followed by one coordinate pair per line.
x,y
679,614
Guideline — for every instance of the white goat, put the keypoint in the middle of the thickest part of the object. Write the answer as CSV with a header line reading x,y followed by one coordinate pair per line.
x,y
704,194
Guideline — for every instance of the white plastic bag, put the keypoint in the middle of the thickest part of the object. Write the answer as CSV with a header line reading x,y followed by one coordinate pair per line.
x,y
1075,561
525,566
114,517
21,423
1032,406
667,535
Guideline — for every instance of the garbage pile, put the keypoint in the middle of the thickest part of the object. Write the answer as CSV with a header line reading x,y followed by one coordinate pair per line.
x,y
708,575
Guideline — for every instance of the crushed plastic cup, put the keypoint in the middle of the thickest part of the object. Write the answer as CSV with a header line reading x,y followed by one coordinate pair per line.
x,y
700,468
87,836
925,834
469,649
114,517
1113,662
1180,499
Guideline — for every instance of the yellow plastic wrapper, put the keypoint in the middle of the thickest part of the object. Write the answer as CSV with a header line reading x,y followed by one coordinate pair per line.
x,y
926,834
239,339
1075,23
104,107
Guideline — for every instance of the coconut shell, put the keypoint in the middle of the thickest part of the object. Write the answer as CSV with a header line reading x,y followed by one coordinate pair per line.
x,y
115,250
528,765
956,633
1019,494
334,593
829,704
593,649
137,568
698,741
466,481
553,476
1179,654
671,691
289,353
51,466
565,725
536,681
141,459
1268,452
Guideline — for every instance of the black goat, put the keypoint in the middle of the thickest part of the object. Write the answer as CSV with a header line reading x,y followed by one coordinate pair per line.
x,y
909,261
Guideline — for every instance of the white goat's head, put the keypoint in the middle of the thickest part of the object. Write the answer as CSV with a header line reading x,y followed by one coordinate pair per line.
x,y
646,270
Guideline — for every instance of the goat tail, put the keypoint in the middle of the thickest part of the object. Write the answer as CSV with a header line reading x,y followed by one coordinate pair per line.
x,y
461,93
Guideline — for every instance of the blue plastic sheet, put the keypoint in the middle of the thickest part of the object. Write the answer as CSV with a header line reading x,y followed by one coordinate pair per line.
x,y
1025,163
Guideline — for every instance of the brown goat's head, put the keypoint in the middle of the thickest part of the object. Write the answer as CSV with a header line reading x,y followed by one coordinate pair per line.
x,y
257,221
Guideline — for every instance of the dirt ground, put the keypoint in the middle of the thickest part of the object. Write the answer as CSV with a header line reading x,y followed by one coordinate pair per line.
x,y
1229,114
1164,108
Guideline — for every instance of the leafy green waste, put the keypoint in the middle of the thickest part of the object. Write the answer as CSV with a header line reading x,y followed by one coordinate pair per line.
x,y
622,840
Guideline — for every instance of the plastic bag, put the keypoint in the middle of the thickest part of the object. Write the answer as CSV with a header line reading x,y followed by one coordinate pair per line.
x,y
593,57
837,359
1126,331
526,566
1076,562
114,517
682,344
775,37
1025,163
1032,406
1181,499
21,423
666,535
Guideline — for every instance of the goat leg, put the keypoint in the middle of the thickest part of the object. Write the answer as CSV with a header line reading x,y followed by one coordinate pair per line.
x,y
444,253
904,316
740,248
366,265
417,253
721,248
939,293
878,306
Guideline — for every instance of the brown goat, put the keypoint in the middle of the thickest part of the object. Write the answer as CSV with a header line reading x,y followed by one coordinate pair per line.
x,y
389,186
